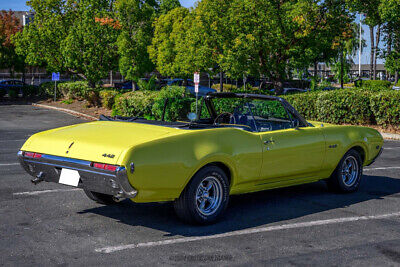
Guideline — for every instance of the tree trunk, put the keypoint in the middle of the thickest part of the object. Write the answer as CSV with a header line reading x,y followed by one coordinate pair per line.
x,y
315,70
134,86
389,51
371,30
341,68
396,78
378,37
221,81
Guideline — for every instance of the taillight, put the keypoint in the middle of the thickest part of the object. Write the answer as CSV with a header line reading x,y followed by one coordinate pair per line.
x,y
106,167
32,155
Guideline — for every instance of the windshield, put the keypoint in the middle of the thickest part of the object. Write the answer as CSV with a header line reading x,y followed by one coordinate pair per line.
x,y
254,114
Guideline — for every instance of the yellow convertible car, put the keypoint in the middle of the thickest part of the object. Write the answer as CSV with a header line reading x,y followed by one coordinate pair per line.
x,y
235,144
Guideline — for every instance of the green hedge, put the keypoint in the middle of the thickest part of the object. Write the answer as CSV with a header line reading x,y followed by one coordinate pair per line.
x,y
108,97
376,85
349,106
386,107
132,104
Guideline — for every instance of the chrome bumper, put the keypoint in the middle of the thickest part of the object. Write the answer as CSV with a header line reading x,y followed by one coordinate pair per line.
x,y
48,168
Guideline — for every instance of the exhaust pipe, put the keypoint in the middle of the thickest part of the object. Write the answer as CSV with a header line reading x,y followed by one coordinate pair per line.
x,y
38,179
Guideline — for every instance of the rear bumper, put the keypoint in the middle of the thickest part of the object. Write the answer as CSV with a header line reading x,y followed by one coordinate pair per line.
x,y
48,168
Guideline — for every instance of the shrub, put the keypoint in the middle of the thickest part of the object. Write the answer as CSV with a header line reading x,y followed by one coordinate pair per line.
x,y
30,91
386,107
132,104
376,85
178,106
344,106
149,85
305,104
46,89
108,98
75,90
226,87
12,93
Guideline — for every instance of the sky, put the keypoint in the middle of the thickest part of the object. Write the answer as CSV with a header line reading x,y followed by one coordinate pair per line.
x,y
19,5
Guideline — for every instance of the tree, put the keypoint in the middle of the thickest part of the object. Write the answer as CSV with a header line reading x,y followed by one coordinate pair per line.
x,y
373,19
136,17
89,48
270,36
9,25
169,34
168,5
40,41
390,13
74,36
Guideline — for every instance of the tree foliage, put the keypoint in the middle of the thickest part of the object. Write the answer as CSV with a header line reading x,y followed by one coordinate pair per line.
x,y
136,18
9,25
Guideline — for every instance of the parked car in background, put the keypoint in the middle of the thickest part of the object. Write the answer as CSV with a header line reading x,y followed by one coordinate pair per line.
x,y
288,91
15,87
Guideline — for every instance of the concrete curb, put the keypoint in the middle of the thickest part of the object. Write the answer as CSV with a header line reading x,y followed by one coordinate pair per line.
x,y
389,136
68,111
386,136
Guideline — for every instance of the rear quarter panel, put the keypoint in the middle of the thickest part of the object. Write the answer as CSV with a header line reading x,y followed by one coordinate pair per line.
x,y
164,167
346,138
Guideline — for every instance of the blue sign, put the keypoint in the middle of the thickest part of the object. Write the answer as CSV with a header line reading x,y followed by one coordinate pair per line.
x,y
55,76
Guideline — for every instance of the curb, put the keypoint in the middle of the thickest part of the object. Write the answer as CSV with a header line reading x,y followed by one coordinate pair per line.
x,y
68,111
389,136
386,136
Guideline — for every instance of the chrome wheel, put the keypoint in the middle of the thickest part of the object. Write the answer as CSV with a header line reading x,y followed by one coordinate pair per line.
x,y
209,196
350,171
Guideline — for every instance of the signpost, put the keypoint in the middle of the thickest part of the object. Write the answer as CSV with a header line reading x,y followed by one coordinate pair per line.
x,y
55,76
196,80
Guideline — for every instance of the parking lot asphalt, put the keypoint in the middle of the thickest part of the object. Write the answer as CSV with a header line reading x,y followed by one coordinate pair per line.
x,y
50,224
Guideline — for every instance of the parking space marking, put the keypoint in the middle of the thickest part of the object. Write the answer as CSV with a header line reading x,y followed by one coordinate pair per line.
x,y
33,193
15,140
9,164
112,249
381,168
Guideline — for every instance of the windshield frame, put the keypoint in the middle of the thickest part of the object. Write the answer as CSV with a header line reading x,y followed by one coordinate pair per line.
x,y
289,108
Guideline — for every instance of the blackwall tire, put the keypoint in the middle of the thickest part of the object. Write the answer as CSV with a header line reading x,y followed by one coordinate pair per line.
x,y
347,176
205,198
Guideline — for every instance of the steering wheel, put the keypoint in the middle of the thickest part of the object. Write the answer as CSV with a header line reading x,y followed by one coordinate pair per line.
x,y
225,114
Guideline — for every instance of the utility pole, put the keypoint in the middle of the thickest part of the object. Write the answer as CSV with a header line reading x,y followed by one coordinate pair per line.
x,y
359,52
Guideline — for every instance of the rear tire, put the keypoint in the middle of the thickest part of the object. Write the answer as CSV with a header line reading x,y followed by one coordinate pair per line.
x,y
101,198
347,176
205,198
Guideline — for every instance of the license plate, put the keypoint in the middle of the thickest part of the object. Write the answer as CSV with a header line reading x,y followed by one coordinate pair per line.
x,y
69,177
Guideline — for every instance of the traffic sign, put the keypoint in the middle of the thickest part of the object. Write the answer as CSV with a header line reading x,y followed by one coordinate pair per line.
x,y
196,88
196,78
55,76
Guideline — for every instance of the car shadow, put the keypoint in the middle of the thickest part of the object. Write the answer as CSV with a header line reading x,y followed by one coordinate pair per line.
x,y
252,210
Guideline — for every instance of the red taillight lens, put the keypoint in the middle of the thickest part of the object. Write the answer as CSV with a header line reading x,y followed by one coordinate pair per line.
x,y
106,167
32,155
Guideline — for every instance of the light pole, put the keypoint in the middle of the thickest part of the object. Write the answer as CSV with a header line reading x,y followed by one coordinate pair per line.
x,y
359,52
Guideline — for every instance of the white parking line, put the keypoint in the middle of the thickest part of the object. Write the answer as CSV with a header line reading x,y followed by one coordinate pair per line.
x,y
246,232
381,168
9,164
15,140
33,193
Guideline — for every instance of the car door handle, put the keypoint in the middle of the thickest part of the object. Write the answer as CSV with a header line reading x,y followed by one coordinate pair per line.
x,y
267,142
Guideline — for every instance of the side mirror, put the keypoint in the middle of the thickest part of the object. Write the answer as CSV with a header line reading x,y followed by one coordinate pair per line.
x,y
192,116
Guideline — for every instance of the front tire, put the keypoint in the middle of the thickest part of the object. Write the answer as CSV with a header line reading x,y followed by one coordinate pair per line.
x,y
347,176
205,198
101,198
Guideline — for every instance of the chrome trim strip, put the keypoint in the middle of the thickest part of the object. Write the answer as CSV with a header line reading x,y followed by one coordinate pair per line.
x,y
68,167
